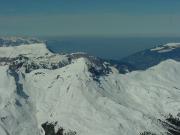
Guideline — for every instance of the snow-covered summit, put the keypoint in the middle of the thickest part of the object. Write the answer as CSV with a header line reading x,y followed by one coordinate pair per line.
x,y
43,93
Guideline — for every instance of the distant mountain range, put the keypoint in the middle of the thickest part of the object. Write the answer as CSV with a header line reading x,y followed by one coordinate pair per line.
x,y
147,58
16,41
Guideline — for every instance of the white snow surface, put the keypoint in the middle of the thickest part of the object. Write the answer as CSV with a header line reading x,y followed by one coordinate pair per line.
x,y
166,48
33,50
117,105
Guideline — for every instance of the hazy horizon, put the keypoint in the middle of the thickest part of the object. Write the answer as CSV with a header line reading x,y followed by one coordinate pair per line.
x,y
108,48
100,18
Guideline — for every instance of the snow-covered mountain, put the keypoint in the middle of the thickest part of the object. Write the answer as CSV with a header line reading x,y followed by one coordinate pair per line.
x,y
42,93
150,57
15,41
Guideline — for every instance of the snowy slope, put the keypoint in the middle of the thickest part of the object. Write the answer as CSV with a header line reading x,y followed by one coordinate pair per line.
x,y
83,101
33,50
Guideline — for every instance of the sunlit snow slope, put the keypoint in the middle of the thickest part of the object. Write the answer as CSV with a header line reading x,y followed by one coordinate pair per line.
x,y
42,93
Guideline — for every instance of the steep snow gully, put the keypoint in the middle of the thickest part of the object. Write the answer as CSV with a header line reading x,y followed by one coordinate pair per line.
x,y
43,93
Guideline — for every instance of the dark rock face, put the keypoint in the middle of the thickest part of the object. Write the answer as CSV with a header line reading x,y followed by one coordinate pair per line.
x,y
147,133
97,66
171,124
49,129
19,87
29,65
99,71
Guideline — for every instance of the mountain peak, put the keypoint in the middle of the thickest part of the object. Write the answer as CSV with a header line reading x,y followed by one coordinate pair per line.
x,y
37,56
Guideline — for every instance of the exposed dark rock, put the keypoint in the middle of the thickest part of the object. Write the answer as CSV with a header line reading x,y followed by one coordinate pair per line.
x,y
18,103
30,65
37,73
49,129
96,66
147,133
19,86
171,124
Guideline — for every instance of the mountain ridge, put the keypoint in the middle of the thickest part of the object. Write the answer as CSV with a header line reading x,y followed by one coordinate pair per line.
x,y
78,94
147,58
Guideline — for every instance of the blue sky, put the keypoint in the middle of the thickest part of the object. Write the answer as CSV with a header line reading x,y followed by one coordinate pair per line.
x,y
90,17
